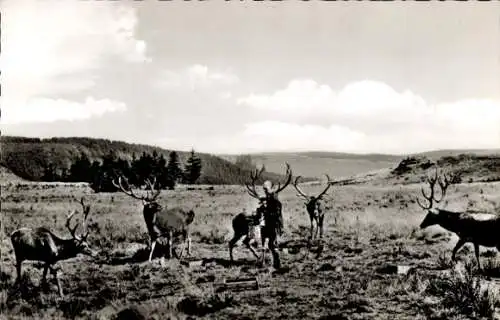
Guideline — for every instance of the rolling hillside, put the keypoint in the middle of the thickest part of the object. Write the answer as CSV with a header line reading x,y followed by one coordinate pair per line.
x,y
316,164
343,165
27,157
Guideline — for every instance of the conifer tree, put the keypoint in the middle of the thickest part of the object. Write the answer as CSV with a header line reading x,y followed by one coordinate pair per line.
x,y
192,171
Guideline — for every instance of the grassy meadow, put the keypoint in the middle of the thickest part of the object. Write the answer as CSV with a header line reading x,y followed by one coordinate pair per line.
x,y
369,229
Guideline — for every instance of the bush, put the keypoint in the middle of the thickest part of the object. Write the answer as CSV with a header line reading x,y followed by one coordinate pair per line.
x,y
463,293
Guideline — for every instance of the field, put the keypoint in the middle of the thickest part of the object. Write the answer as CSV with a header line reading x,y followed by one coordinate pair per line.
x,y
370,229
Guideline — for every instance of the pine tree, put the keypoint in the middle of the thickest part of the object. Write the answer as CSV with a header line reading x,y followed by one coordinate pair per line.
x,y
144,168
192,171
95,171
160,172
80,169
108,172
174,171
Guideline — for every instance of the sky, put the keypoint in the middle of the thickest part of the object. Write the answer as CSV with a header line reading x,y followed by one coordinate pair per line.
x,y
243,77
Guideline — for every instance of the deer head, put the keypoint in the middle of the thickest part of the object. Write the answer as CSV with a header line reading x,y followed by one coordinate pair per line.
x,y
268,187
443,181
312,200
148,201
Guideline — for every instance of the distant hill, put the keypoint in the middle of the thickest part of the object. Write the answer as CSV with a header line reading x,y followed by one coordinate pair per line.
x,y
456,152
467,168
316,164
27,157
343,165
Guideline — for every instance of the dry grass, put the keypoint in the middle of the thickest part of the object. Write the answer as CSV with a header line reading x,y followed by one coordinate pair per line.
x,y
367,228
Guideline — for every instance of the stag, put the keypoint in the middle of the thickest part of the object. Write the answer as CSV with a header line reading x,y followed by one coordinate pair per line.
x,y
245,226
41,244
160,221
271,210
314,207
479,229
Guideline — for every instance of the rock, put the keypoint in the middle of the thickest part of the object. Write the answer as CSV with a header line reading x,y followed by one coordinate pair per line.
x,y
394,269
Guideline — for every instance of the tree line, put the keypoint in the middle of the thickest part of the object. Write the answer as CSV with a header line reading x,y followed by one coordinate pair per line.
x,y
149,166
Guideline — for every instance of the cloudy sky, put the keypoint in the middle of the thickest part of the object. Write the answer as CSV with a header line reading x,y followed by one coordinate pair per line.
x,y
231,77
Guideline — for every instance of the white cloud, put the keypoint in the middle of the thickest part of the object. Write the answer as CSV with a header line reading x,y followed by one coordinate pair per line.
x,y
197,76
49,110
373,117
282,136
305,97
53,47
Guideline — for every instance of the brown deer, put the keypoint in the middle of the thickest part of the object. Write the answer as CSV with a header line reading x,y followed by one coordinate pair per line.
x,y
244,226
479,229
162,221
314,207
40,244
271,210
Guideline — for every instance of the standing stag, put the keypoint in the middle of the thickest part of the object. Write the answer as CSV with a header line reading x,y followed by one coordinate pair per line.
x,y
271,210
160,221
40,244
479,229
314,207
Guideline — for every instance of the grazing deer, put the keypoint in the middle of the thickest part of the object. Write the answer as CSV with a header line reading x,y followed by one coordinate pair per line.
x,y
314,207
40,244
244,226
479,229
160,221
271,210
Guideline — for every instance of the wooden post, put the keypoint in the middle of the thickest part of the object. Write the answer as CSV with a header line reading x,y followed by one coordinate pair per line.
x,y
240,284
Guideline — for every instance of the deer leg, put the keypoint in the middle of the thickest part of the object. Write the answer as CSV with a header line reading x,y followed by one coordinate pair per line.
x,y
476,249
170,244
317,227
55,274
321,219
264,248
232,243
44,276
184,245
246,242
274,251
311,229
459,244
153,245
18,271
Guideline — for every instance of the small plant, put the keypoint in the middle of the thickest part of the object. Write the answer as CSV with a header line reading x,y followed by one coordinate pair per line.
x,y
463,293
491,267
444,262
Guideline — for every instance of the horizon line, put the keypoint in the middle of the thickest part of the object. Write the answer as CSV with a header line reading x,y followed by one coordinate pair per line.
x,y
262,152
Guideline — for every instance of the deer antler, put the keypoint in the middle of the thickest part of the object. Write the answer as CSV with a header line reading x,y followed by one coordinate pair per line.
x,y
287,181
443,183
129,192
86,211
68,220
328,185
301,193
154,193
251,188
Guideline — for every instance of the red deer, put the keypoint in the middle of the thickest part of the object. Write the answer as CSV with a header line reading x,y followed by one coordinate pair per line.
x,y
272,211
40,244
314,207
479,229
161,221
244,226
